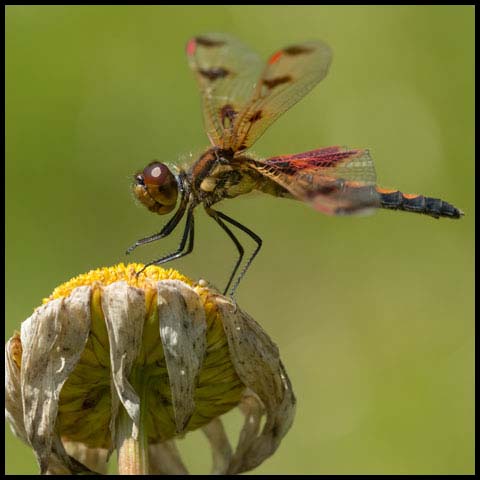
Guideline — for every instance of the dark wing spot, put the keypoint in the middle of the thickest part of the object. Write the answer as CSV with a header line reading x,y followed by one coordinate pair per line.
x,y
297,50
256,116
213,73
273,82
208,42
227,113
241,147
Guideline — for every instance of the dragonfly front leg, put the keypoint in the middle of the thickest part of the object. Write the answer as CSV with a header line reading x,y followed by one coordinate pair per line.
x,y
188,235
167,229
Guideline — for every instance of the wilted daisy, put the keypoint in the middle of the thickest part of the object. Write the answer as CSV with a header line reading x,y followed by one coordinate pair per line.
x,y
115,361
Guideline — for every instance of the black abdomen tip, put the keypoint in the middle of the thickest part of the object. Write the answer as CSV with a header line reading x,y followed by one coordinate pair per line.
x,y
434,207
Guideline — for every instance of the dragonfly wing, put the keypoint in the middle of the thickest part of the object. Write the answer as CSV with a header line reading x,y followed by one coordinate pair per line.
x,y
334,180
288,76
226,71
242,97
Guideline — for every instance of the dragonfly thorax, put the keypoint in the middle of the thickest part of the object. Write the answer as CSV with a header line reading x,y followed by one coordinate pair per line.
x,y
218,174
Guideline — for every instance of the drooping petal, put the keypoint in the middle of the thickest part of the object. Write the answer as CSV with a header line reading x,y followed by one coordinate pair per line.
x,y
165,459
124,310
253,410
13,404
53,339
257,362
182,331
60,461
221,448
93,458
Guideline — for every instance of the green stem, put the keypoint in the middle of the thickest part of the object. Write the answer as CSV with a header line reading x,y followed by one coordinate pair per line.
x,y
133,452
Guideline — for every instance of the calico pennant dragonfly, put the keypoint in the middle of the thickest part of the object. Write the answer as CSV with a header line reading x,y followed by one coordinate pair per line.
x,y
242,97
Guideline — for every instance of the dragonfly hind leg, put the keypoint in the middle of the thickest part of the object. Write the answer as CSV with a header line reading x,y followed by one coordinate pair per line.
x,y
214,214
218,217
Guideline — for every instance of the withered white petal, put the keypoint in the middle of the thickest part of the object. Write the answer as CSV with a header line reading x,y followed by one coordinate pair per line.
x,y
61,461
221,448
13,405
57,466
124,310
253,409
182,331
164,459
257,362
53,339
93,458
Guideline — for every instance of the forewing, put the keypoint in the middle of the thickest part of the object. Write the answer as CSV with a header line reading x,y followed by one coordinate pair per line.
x,y
334,180
288,76
227,72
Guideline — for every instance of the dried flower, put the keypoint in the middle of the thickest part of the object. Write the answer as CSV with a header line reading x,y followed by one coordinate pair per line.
x,y
116,361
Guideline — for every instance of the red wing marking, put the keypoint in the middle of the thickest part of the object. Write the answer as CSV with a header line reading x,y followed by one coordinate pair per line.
x,y
320,158
334,180
275,57
191,47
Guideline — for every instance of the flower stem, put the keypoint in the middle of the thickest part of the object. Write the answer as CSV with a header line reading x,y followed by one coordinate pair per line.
x,y
132,451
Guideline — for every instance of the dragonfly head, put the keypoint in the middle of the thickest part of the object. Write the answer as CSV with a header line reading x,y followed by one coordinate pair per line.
x,y
156,187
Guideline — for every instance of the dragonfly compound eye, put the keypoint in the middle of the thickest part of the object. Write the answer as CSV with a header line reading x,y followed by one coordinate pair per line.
x,y
157,173
156,188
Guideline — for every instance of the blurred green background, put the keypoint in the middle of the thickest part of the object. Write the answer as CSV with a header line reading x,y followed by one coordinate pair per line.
x,y
374,316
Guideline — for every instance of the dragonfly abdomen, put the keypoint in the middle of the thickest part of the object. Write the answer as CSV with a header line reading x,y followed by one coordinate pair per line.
x,y
435,207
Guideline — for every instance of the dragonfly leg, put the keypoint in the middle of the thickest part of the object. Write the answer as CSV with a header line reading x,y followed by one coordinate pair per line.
x,y
214,214
253,236
188,235
167,228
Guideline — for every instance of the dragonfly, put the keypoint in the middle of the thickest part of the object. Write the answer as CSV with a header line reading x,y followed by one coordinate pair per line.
x,y
242,96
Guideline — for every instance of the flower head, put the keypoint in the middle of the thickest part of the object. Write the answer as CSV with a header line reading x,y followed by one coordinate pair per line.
x,y
116,361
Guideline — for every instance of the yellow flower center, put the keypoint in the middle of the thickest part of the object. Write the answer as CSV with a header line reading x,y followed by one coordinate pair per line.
x,y
121,272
